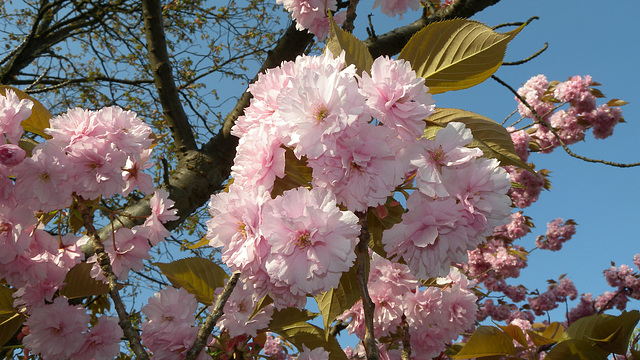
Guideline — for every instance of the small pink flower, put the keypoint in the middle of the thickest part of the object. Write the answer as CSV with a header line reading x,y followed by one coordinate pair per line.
x,y
12,112
11,155
55,330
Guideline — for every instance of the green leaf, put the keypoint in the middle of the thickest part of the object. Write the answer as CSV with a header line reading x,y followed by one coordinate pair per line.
x,y
555,331
299,332
377,225
334,302
516,334
356,51
296,174
10,320
609,333
40,116
539,340
79,283
574,349
491,137
456,54
198,276
486,341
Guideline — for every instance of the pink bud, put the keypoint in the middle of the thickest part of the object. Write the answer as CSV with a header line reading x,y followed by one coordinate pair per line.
x,y
11,155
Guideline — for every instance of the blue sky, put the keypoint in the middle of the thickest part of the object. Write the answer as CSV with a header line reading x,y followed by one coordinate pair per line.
x,y
585,38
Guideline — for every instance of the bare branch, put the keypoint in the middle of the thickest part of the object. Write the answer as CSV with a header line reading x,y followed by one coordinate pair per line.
x,y
161,68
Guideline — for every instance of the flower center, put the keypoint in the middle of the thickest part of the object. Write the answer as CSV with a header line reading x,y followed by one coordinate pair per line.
x,y
303,241
320,113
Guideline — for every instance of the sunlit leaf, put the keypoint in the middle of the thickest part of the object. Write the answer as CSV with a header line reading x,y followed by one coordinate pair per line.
x,y
79,283
198,276
356,51
491,137
456,54
616,102
555,331
486,341
539,340
40,116
516,333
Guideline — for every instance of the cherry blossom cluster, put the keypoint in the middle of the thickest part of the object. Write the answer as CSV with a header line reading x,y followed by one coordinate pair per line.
x,y
360,137
312,15
88,154
569,125
435,315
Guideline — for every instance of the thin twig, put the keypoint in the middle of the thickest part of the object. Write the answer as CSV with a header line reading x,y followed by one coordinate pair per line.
x,y
351,16
213,317
124,320
362,276
406,339
520,62
553,131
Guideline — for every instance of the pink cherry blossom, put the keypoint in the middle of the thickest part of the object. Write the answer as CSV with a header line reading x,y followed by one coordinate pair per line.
x,y
55,330
396,96
97,166
235,226
129,251
102,342
364,170
447,149
238,315
532,92
317,105
47,168
312,15
312,240
162,211
133,175
259,160
318,353
396,7
11,155
12,112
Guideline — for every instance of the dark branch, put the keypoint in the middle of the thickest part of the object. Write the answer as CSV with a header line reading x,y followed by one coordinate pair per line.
x,y
174,113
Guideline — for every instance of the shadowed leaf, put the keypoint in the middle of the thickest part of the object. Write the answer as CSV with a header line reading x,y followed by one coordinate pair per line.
x,y
198,276
79,283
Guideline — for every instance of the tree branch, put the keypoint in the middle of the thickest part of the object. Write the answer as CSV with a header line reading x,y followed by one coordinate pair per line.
x,y
214,316
362,277
172,108
124,320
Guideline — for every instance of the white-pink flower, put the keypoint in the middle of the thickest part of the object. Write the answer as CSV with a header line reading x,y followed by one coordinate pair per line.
x,y
102,342
12,112
312,15
316,105
397,97
396,7
364,169
447,149
238,311
55,330
235,226
312,240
